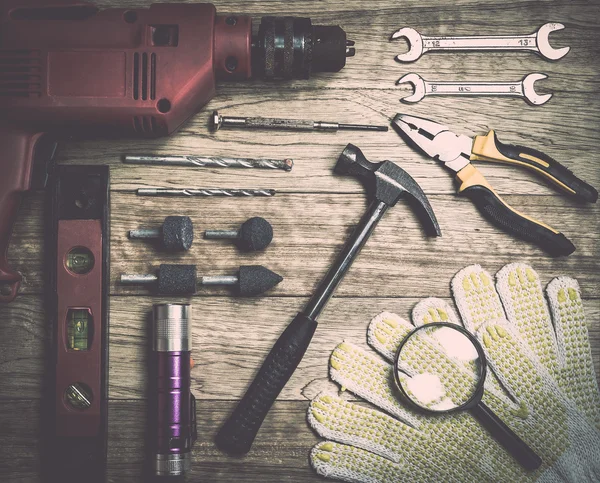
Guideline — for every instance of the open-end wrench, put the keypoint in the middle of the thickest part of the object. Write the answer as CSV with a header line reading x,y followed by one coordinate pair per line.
x,y
536,42
523,88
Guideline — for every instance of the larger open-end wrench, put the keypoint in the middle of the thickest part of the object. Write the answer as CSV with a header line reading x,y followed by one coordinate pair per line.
x,y
523,88
536,42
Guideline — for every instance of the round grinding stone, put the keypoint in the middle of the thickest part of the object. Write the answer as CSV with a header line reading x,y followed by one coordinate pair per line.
x,y
177,233
177,279
256,279
256,234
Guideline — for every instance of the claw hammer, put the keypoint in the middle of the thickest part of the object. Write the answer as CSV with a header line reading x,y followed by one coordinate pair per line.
x,y
387,183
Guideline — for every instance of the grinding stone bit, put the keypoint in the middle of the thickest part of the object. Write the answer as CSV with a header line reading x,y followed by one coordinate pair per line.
x,y
176,233
255,234
182,279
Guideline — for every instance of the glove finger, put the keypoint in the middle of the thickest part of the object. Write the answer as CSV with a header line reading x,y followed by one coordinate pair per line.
x,y
476,297
540,418
355,465
425,359
385,333
431,310
369,377
387,330
345,422
521,293
576,376
448,443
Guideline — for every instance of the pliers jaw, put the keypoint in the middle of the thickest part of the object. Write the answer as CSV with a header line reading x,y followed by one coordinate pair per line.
x,y
435,140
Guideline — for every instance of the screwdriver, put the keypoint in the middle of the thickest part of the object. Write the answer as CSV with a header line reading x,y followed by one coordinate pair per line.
x,y
219,121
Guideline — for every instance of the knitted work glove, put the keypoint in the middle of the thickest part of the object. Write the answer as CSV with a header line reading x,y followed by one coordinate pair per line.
x,y
541,384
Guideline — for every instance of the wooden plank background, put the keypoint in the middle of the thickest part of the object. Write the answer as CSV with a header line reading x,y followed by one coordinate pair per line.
x,y
312,215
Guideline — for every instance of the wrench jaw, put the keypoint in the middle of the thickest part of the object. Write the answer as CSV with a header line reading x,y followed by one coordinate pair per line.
x,y
529,93
418,85
543,43
415,44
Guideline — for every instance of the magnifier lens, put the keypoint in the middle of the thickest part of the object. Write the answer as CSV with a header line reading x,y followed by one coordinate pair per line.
x,y
438,368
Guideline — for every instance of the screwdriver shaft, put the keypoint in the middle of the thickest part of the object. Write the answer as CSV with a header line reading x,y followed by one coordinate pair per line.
x,y
204,192
211,162
220,121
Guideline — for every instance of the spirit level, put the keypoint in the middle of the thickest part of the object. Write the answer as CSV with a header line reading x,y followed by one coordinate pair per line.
x,y
75,419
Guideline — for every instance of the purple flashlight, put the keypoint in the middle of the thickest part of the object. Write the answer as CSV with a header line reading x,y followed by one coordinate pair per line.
x,y
175,404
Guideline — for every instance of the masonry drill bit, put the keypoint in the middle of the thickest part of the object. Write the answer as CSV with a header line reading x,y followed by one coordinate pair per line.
x,y
219,121
211,162
204,192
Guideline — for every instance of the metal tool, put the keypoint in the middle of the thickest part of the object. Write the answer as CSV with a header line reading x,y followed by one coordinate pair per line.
x,y
387,183
182,280
219,121
523,88
75,408
254,235
204,192
211,162
175,235
536,42
175,406
457,152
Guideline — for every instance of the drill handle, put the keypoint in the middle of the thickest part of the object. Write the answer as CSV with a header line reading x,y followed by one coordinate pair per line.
x,y
20,151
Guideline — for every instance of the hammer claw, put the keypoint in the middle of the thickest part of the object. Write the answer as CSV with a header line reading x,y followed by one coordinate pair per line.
x,y
387,182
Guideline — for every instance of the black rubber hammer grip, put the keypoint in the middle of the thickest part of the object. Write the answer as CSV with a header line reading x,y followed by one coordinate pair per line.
x,y
238,433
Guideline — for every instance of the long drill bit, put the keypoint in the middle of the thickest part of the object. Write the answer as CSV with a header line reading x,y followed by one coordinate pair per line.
x,y
211,162
204,192
219,121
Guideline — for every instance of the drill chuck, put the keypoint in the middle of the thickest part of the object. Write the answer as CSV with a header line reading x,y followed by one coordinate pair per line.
x,y
175,406
293,48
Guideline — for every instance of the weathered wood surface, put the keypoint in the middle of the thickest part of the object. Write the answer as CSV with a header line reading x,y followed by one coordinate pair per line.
x,y
312,214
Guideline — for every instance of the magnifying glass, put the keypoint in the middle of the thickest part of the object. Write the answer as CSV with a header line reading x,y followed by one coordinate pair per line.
x,y
454,382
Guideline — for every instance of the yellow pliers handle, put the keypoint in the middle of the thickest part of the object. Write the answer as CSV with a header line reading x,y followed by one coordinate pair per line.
x,y
488,148
474,185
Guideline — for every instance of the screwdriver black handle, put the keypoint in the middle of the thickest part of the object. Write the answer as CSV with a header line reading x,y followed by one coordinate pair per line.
x,y
495,209
239,431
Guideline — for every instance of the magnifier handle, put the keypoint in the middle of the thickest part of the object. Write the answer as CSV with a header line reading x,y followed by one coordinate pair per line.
x,y
506,437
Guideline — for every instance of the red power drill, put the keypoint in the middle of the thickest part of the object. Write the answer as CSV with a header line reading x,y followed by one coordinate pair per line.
x,y
67,67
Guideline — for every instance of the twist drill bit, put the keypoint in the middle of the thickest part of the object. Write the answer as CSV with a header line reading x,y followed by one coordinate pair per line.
x,y
211,162
219,121
204,192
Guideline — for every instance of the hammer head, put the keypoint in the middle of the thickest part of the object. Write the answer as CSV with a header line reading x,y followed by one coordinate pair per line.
x,y
388,182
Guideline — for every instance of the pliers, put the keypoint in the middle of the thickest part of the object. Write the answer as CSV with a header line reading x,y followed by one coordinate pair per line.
x,y
457,152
